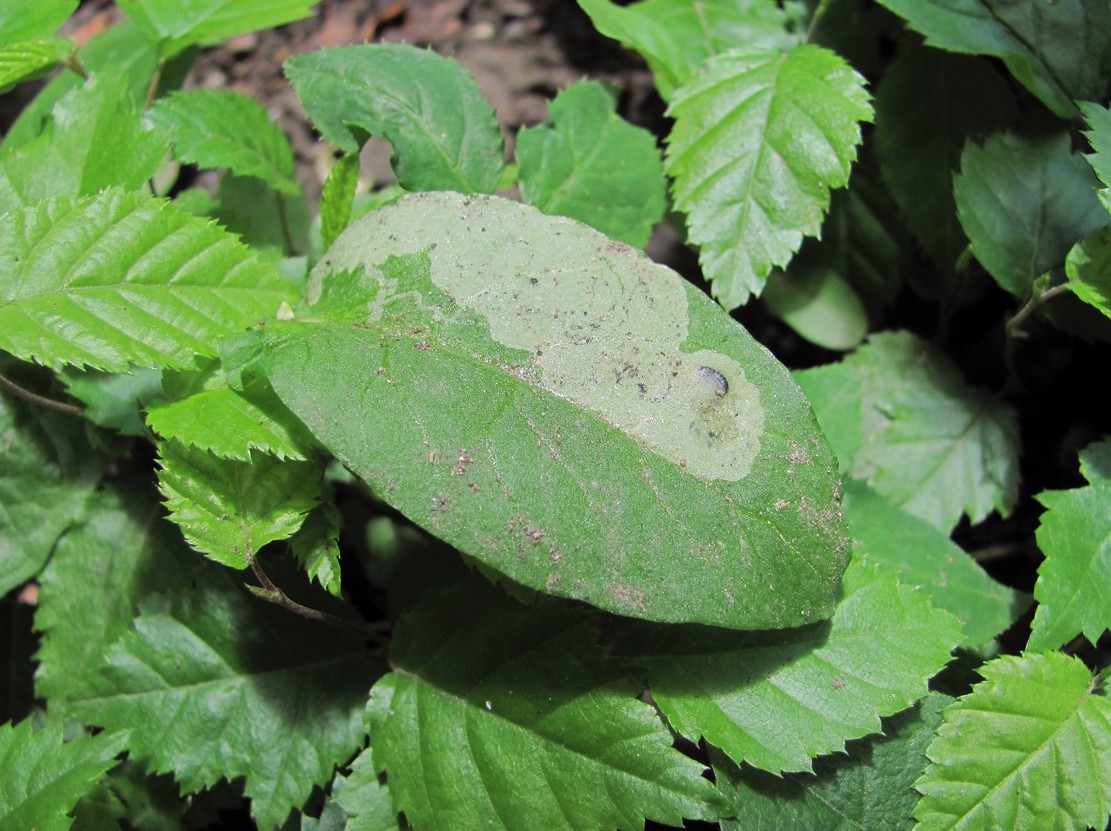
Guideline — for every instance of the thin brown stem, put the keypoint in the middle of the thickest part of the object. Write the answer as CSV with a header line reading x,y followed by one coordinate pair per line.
x,y
35,398
155,80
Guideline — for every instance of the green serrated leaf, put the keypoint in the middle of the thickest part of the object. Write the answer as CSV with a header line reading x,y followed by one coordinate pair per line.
x,y
593,166
869,788
336,198
91,589
316,546
222,128
42,777
676,37
1099,136
93,139
776,702
229,510
21,21
1029,748
556,405
444,135
1060,51
901,418
928,559
31,59
120,278
759,140
175,26
208,696
1024,202
1074,577
47,473
497,714
127,797
1088,267
366,799
929,103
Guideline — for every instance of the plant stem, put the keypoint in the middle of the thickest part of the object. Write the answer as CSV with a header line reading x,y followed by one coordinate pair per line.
x,y
283,221
1014,325
270,592
155,80
34,398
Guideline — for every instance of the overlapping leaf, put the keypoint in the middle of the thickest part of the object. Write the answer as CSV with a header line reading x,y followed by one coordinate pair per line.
x,y
114,400
119,279
42,777
556,405
498,714
1088,267
174,26
1029,748
1060,51
20,21
1023,202
593,166
776,702
20,61
365,799
336,197
444,135
928,559
1074,581
901,418
759,140
229,509
207,696
1099,120
222,128
676,37
870,787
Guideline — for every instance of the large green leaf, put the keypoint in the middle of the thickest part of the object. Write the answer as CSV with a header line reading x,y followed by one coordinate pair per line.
x,y
593,166
222,128
759,140
94,139
1099,120
20,61
901,418
176,25
1024,202
560,407
120,278
927,105
1060,51
47,473
1075,577
444,135
1029,748
498,714
1088,267
676,37
42,777
870,787
775,702
229,509
928,559
22,21
214,684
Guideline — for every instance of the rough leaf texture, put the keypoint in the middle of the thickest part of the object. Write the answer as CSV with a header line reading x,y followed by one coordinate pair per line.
x,y
1029,748
174,26
120,278
498,714
759,140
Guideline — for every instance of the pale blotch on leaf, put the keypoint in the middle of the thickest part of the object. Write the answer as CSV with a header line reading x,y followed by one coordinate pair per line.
x,y
603,325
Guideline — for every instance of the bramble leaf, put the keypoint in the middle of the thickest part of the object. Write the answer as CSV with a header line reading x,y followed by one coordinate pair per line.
x,y
1074,581
208,697
1099,120
593,166
336,198
20,21
1029,748
222,128
444,134
1060,51
365,799
927,559
676,37
229,510
21,61
43,777
486,692
776,701
120,278
901,418
759,140
870,787
556,405
1088,267
175,26
1024,202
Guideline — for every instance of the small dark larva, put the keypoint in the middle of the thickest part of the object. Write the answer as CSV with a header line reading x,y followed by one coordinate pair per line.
x,y
715,377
